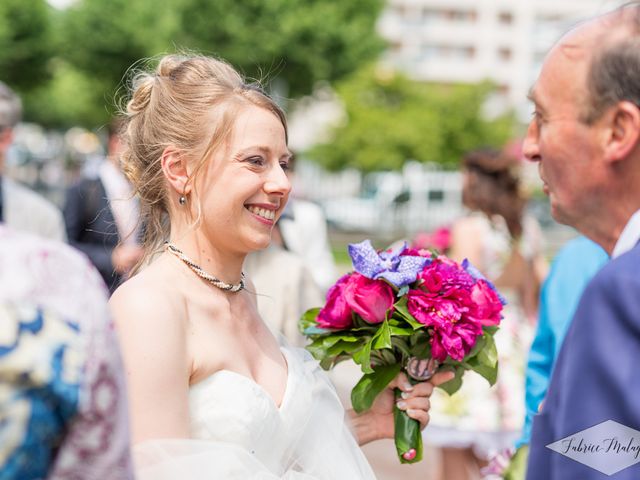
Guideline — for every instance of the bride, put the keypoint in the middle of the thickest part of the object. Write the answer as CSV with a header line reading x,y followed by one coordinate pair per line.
x,y
212,394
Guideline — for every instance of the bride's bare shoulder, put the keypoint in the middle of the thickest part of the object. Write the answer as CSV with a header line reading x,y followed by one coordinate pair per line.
x,y
150,297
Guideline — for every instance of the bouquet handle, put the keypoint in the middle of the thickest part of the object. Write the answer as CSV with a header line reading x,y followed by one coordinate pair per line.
x,y
408,435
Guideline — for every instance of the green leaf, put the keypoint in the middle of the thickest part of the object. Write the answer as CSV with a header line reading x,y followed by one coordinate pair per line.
x,y
488,356
308,319
400,331
401,344
517,469
371,384
406,434
453,385
421,347
402,310
382,338
363,357
480,344
403,291
491,329
343,347
490,373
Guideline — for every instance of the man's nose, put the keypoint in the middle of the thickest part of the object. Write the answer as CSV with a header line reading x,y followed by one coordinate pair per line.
x,y
530,148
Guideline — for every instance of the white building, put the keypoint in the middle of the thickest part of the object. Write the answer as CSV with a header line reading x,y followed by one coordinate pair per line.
x,y
467,41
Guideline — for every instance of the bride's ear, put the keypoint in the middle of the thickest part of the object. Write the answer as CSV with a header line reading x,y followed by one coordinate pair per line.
x,y
175,169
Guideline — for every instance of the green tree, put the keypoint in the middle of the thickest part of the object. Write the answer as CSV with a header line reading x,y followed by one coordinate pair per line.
x,y
297,42
25,43
390,119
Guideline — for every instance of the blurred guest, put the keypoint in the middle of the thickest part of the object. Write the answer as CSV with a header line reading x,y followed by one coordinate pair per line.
x,y
21,208
63,412
506,245
101,215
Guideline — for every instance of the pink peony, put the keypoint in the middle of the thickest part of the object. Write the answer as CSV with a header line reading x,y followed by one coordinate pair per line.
x,y
444,301
371,299
336,313
487,308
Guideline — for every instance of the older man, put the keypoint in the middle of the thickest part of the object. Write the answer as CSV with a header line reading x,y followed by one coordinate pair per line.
x,y
21,208
585,136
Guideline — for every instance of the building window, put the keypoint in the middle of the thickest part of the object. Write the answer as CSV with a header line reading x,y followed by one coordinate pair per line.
x,y
448,52
504,54
505,18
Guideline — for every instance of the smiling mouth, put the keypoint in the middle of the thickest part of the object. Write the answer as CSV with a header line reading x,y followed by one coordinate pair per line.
x,y
263,212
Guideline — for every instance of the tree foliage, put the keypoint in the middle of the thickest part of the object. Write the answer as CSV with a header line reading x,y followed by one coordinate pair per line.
x,y
298,41
25,43
391,119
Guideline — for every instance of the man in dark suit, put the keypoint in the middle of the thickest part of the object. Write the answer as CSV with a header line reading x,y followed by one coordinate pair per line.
x,y
585,136
101,217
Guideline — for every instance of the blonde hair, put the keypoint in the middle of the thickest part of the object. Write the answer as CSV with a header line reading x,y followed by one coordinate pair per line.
x,y
190,102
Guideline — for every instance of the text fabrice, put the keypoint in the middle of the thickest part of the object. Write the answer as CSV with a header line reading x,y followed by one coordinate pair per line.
x,y
606,446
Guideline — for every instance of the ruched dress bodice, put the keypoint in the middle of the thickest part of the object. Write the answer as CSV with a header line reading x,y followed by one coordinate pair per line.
x,y
238,431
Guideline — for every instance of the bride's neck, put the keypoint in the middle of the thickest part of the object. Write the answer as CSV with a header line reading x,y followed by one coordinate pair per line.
x,y
226,266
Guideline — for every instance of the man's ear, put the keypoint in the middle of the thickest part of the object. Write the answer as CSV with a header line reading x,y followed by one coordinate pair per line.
x,y
624,131
175,169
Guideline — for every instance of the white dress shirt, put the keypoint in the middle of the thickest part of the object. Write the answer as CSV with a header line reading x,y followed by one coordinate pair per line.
x,y
629,237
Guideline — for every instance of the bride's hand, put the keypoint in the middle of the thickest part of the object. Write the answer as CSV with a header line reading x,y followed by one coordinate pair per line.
x,y
377,422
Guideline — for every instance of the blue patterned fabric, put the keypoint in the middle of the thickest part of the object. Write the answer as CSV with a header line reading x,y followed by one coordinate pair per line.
x,y
41,357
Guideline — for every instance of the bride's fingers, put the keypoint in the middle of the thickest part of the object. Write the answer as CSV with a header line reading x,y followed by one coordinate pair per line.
x,y
421,416
415,403
402,382
422,389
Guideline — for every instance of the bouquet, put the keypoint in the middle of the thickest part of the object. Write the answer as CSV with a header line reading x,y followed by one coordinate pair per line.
x,y
408,310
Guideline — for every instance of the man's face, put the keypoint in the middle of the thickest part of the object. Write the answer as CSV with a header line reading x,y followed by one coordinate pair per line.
x,y
566,149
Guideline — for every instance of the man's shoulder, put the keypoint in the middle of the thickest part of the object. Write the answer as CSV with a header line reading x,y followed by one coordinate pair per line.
x,y
22,194
625,266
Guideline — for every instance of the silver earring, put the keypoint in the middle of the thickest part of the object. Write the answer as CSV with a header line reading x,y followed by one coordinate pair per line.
x,y
182,200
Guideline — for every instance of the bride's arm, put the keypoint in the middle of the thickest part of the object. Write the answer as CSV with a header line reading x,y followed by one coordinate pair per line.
x,y
377,422
153,340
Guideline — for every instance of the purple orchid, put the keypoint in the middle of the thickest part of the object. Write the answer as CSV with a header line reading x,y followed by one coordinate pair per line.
x,y
390,265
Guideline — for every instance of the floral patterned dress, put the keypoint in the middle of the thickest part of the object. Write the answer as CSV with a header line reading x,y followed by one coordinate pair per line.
x,y
63,412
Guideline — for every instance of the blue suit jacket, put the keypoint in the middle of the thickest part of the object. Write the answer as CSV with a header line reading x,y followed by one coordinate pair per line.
x,y
597,375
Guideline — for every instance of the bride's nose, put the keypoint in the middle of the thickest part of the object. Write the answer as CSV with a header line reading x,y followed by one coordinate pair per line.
x,y
277,182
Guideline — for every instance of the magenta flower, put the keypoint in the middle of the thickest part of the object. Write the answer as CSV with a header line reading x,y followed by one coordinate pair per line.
x,y
444,302
336,313
371,299
487,306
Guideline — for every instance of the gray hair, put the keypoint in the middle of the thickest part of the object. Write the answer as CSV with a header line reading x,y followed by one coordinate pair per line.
x,y
10,107
614,71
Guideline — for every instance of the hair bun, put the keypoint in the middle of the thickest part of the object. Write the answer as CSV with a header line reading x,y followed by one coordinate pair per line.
x,y
142,89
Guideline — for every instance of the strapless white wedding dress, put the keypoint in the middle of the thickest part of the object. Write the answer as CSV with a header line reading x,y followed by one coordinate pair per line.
x,y
238,432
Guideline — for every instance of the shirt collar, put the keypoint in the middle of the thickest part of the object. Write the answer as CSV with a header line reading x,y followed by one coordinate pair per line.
x,y
629,236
